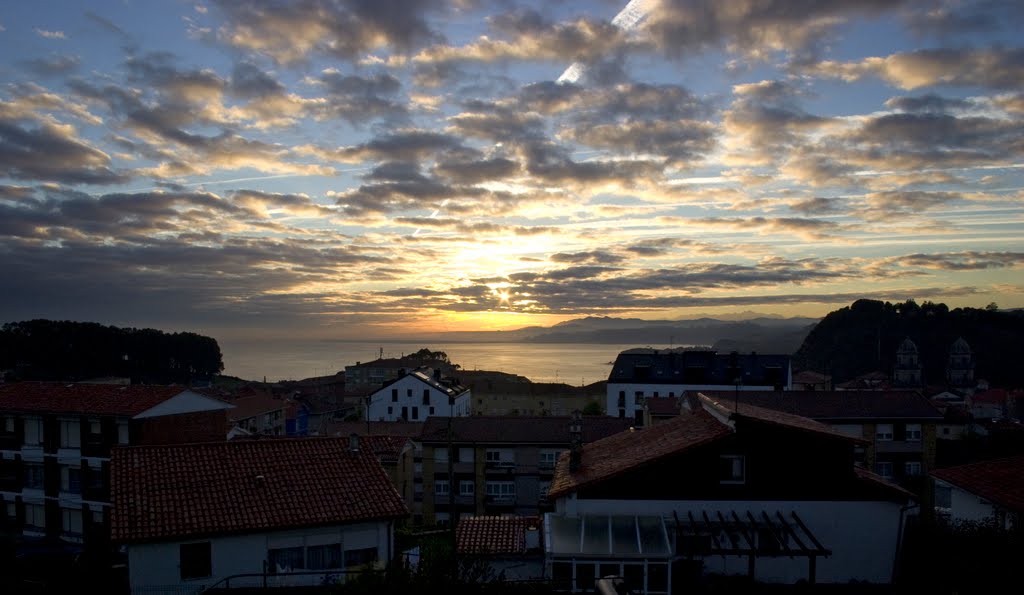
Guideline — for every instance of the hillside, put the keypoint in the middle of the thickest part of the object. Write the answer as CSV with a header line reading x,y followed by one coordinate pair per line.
x,y
864,336
67,350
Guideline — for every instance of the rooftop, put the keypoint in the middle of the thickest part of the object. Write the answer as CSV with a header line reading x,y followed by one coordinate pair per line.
x,y
1000,481
172,492
837,405
520,429
496,535
681,366
86,399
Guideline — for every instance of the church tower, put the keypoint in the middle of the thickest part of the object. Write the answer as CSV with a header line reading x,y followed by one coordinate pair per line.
x,y
908,365
960,365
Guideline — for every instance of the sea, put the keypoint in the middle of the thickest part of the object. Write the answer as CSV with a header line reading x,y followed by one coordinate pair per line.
x,y
575,364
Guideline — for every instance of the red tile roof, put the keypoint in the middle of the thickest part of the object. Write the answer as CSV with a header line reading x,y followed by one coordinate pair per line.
x,y
83,399
409,429
162,493
494,534
780,418
254,404
663,406
1000,481
628,450
387,448
520,429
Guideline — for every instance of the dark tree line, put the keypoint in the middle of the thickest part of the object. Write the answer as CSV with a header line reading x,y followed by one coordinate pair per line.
x,y
864,337
68,350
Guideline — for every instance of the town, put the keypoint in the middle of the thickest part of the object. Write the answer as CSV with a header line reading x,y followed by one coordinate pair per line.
x,y
686,468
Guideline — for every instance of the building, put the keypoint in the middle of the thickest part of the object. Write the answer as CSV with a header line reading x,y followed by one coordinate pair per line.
x,y
55,448
728,489
259,412
508,546
417,395
985,491
898,426
641,373
371,375
500,465
191,515
960,365
907,371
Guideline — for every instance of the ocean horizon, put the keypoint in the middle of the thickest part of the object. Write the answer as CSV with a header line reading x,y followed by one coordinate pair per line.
x,y
570,363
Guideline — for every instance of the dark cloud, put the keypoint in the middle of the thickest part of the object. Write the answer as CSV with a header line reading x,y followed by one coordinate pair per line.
x,y
590,256
288,32
930,103
817,206
962,261
250,81
55,65
884,204
960,18
52,153
476,171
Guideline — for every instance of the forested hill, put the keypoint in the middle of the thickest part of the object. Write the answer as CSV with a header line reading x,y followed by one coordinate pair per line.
x,y
864,336
66,350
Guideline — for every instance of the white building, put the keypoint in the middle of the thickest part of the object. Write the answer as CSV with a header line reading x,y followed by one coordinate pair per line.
x,y
638,374
988,491
280,512
726,489
416,396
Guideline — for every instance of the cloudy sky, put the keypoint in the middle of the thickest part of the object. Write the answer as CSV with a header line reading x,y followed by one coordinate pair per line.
x,y
371,167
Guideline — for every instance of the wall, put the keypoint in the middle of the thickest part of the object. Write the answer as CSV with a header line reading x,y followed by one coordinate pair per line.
x,y
965,506
664,390
861,535
154,565
381,400
200,426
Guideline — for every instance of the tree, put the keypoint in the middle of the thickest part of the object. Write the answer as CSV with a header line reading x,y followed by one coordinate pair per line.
x,y
593,408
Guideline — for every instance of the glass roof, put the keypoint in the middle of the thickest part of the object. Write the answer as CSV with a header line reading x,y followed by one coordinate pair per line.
x,y
607,536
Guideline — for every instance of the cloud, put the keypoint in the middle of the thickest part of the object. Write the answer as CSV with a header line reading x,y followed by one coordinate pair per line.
x,y
50,34
961,261
290,32
51,152
53,66
995,68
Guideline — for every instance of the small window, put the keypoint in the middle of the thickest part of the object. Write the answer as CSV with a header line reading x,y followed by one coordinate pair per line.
x,y
34,476
408,392
122,432
33,431
360,557
467,487
548,459
913,432
415,412
622,414
493,456
431,411
405,413
441,488
391,410
426,396
732,469
912,468
70,433
194,560
8,425
655,394
95,429
884,468
71,480
638,418
883,432
71,521
286,559
394,395
323,557
35,516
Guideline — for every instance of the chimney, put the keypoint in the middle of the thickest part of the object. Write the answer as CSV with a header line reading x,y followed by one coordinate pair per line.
x,y
353,442
575,440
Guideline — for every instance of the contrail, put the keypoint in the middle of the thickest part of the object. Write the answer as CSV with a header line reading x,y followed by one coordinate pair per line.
x,y
628,19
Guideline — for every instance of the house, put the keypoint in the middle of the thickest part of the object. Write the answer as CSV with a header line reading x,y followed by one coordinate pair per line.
x,y
191,515
55,448
370,375
811,380
258,412
509,547
415,396
899,426
994,403
498,393
499,465
641,373
726,488
987,490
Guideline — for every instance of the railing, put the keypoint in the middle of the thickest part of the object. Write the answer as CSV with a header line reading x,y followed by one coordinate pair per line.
x,y
298,578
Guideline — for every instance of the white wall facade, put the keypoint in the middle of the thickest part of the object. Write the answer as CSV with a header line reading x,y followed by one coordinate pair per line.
x,y
659,390
861,534
155,567
406,393
965,506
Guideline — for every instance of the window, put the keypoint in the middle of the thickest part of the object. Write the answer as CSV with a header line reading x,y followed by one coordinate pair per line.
x,y
408,392
655,394
122,432
543,488
70,433
391,410
548,459
622,414
323,557
884,468
638,418
35,516
95,429
405,413
440,455
33,431
493,457
194,560
8,425
912,468
501,490
71,480
415,412
97,516
441,488
732,469
883,432
394,395
638,397
913,432
12,510
360,557
426,396
72,521
286,559
431,411
467,487
34,476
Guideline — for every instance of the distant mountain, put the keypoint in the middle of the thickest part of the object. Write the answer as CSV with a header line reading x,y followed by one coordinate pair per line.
x,y
764,334
864,336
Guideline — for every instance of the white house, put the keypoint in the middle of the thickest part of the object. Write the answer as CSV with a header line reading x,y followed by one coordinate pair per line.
x,y
292,511
415,396
723,489
983,491
638,374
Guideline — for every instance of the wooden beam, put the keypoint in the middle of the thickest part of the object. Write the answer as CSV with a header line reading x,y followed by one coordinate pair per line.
x,y
714,538
803,548
780,536
822,550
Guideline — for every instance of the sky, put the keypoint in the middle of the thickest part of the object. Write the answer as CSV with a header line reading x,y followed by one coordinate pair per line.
x,y
356,169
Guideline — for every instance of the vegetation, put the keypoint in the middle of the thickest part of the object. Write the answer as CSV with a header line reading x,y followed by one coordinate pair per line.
x,y
66,350
864,337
